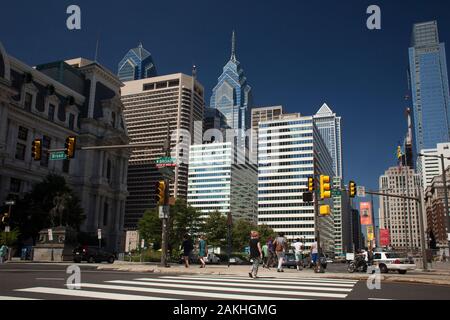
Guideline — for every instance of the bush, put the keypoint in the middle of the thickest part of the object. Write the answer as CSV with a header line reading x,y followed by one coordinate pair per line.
x,y
9,238
147,256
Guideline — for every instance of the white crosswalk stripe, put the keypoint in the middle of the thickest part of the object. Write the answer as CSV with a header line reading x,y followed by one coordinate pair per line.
x,y
202,287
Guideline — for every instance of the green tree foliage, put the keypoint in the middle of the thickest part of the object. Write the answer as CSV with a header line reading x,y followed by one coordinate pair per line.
x,y
265,232
32,213
150,228
9,238
241,233
215,229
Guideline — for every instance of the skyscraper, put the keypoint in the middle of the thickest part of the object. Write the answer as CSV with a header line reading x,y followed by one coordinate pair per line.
x,y
149,105
136,64
329,126
262,114
429,86
291,150
233,96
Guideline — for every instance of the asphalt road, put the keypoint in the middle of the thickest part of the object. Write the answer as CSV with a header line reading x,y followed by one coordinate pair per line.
x,y
49,282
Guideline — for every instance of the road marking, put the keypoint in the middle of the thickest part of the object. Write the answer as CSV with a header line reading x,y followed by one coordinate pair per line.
x,y
50,279
261,281
379,299
249,283
15,298
325,280
88,294
190,287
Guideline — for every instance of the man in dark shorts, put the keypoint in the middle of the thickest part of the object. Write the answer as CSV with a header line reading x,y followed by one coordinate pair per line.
x,y
187,247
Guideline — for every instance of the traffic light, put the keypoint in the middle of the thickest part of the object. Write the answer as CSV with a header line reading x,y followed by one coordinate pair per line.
x,y
70,147
308,197
352,189
5,218
160,192
325,187
310,184
36,149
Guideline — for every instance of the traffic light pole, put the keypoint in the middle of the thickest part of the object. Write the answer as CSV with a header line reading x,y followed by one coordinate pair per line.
x,y
165,220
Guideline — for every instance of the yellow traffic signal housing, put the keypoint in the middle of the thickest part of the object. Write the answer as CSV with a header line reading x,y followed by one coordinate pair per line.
x,y
325,210
325,187
310,184
36,149
70,147
352,189
160,192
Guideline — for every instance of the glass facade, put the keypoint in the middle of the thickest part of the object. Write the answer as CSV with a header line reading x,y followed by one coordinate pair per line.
x,y
136,64
429,86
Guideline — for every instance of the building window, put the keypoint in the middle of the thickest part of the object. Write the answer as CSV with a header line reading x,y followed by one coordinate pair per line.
x,y
105,214
23,133
71,121
28,101
51,112
15,185
20,151
66,166
45,154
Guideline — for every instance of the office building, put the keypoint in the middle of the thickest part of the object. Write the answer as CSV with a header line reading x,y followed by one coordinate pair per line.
x,y
435,211
430,167
218,183
329,126
233,96
152,106
77,98
289,151
429,86
260,114
357,237
136,64
342,219
400,216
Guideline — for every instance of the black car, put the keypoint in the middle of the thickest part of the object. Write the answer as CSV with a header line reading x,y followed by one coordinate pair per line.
x,y
92,254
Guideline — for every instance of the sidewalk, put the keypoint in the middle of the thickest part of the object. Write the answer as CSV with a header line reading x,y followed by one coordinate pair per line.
x,y
438,277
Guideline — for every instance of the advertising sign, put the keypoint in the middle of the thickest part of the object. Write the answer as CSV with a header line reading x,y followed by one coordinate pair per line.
x,y
370,234
365,212
384,238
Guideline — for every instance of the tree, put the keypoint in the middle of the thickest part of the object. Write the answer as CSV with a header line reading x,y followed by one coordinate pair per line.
x,y
9,238
183,219
241,233
32,213
265,232
215,229
150,228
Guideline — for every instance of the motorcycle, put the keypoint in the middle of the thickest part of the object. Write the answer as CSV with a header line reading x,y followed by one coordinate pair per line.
x,y
358,265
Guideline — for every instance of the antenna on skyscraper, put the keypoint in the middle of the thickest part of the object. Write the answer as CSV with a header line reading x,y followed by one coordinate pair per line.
x,y
194,72
233,47
96,47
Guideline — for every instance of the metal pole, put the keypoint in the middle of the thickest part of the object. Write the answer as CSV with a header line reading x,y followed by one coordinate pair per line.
x,y
164,244
422,232
229,224
444,181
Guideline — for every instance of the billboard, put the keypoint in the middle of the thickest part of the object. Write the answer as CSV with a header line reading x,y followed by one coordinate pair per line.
x,y
384,238
365,212
370,234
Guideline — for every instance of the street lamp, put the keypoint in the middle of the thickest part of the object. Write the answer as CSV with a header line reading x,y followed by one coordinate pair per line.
x,y
444,182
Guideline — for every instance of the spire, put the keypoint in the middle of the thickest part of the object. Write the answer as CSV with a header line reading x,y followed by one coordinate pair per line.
x,y
233,47
140,45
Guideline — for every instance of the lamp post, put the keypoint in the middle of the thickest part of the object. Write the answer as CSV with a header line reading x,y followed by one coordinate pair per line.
x,y
444,182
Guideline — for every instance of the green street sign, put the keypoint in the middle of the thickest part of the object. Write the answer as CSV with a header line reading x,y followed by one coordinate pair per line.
x,y
164,160
336,193
60,155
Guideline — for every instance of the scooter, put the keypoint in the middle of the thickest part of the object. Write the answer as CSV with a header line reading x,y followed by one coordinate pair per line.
x,y
358,265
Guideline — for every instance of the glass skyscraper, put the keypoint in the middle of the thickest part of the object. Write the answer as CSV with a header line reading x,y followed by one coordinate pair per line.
x,y
429,86
232,95
136,64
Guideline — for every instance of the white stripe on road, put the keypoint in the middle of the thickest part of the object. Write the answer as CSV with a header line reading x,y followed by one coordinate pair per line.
x,y
324,280
178,292
245,283
50,279
88,294
196,287
261,281
15,298
379,299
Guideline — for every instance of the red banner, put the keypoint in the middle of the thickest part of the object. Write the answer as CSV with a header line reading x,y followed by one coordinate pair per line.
x,y
384,238
365,211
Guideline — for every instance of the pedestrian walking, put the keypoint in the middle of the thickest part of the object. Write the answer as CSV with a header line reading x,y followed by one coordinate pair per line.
x,y
187,247
255,253
271,253
314,251
280,245
202,251
265,251
298,250
3,253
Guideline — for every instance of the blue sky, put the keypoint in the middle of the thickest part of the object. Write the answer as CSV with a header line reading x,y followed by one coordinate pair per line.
x,y
295,53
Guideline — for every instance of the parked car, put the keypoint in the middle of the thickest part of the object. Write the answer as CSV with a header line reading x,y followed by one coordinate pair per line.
x,y
237,261
212,258
289,261
92,254
393,261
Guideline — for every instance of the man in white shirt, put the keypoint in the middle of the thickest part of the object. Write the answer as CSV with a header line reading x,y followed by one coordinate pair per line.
x,y
298,250
314,251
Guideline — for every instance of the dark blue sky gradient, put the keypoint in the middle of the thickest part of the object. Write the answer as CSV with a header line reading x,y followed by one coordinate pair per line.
x,y
295,53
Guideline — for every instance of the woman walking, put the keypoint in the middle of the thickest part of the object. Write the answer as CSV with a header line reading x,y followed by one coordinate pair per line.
x,y
255,253
202,251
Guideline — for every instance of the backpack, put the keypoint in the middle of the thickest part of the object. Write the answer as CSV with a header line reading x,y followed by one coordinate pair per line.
x,y
280,245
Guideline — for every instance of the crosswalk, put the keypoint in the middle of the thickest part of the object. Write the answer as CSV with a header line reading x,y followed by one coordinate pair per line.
x,y
197,287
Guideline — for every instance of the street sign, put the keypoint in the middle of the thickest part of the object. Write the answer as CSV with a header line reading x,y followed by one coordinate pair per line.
x,y
7,229
361,191
336,192
163,212
50,234
99,234
10,202
59,155
165,162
